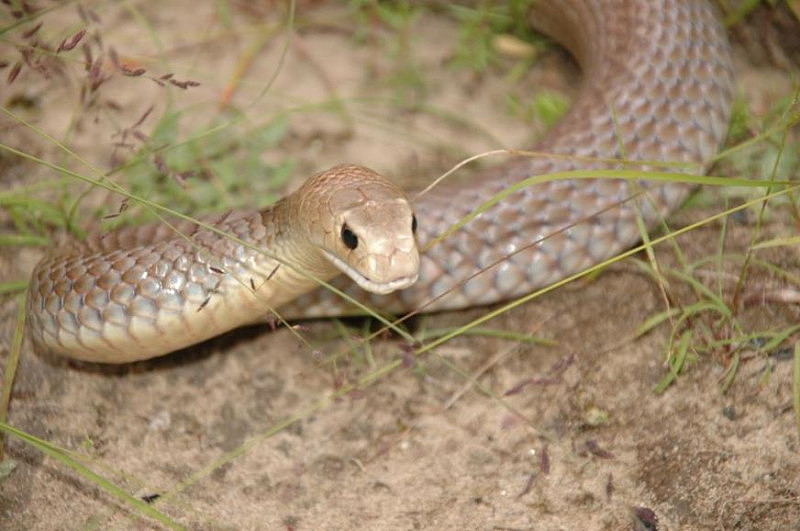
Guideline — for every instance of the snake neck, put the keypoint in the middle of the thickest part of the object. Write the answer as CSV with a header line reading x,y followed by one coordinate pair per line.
x,y
286,235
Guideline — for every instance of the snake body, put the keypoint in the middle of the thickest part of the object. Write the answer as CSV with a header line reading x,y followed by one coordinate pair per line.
x,y
657,87
143,291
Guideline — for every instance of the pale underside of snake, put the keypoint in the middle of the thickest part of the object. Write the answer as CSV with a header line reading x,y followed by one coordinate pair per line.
x,y
657,87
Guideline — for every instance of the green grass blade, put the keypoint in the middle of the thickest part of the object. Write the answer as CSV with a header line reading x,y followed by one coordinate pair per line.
x,y
677,362
63,457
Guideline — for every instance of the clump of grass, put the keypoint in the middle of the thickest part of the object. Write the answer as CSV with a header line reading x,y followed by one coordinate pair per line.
x,y
399,18
708,320
481,26
190,175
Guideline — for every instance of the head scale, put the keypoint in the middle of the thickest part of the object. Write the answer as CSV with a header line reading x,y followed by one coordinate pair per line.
x,y
364,225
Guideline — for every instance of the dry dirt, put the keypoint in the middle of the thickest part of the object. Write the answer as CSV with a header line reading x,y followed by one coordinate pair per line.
x,y
580,442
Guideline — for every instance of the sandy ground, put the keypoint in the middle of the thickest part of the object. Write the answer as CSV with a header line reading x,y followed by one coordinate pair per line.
x,y
564,436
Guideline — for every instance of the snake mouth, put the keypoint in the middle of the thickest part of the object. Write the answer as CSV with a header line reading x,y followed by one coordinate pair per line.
x,y
381,288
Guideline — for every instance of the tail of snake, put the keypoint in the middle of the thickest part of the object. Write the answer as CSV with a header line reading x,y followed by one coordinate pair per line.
x,y
657,87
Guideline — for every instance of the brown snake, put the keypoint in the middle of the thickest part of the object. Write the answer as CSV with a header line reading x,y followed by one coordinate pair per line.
x,y
657,87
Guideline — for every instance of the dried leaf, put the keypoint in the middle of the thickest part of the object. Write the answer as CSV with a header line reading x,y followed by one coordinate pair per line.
x,y
132,72
184,84
69,44
14,72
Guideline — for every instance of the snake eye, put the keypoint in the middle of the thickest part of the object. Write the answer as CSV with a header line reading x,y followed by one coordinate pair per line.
x,y
349,237
414,224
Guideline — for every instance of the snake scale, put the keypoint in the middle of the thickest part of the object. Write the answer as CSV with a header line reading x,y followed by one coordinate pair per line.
x,y
657,87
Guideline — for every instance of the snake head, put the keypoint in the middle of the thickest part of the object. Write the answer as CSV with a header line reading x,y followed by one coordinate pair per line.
x,y
368,227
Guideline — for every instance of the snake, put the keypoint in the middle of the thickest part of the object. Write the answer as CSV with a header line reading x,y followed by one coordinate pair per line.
x,y
656,94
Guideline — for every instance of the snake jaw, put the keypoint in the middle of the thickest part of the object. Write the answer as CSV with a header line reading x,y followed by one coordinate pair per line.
x,y
381,288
